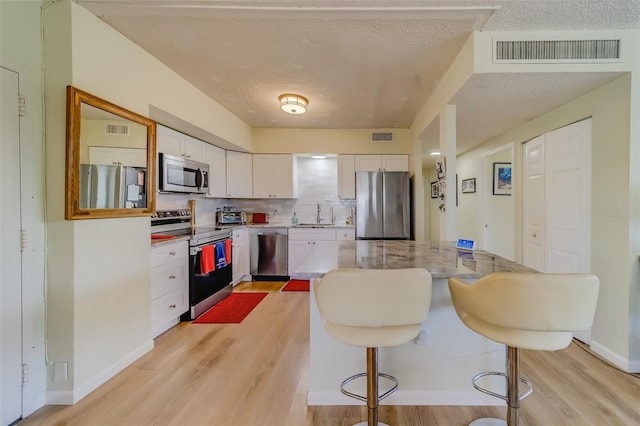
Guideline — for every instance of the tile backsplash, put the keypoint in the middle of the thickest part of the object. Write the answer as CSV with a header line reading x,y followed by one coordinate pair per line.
x,y
317,184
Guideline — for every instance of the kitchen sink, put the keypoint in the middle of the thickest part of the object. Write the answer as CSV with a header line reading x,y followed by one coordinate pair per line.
x,y
315,225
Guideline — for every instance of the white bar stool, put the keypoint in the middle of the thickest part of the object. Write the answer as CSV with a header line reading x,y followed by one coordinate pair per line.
x,y
524,310
373,308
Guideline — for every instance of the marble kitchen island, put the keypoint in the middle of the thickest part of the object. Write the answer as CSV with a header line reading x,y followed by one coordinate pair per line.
x,y
434,369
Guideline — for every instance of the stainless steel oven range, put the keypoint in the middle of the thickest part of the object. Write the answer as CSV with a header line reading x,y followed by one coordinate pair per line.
x,y
210,260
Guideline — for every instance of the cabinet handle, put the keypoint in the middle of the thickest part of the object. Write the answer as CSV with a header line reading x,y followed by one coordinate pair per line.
x,y
172,277
172,253
173,306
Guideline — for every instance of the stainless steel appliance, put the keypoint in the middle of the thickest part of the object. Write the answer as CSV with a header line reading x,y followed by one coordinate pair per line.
x,y
383,207
231,217
207,246
107,186
178,174
268,253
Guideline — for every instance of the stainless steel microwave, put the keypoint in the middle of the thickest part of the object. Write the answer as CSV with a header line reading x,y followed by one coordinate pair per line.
x,y
178,174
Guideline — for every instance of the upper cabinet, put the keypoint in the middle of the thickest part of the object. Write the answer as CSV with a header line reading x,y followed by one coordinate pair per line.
x,y
239,175
216,159
388,163
175,143
129,157
273,176
346,176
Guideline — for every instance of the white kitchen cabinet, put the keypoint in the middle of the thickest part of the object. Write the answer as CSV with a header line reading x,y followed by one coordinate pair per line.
x,y
216,159
303,241
132,157
172,142
240,254
388,163
169,285
273,176
346,176
345,234
239,175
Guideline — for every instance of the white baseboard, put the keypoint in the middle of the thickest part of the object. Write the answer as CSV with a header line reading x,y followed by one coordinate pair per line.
x,y
625,364
400,397
70,397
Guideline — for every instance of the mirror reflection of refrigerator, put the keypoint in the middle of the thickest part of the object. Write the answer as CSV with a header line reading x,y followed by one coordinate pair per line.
x,y
109,187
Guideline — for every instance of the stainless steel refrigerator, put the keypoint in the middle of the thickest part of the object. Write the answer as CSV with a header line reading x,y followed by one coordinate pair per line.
x,y
383,207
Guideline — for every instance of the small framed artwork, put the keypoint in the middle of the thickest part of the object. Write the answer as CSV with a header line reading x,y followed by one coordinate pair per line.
x,y
440,168
501,178
435,189
468,186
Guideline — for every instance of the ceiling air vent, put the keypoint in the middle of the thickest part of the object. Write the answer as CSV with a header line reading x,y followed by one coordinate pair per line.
x,y
558,51
381,137
117,129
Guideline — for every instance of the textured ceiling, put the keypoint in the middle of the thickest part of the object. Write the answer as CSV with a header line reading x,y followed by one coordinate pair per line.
x,y
362,64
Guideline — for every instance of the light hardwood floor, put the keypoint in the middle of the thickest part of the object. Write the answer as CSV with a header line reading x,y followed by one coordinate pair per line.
x,y
256,374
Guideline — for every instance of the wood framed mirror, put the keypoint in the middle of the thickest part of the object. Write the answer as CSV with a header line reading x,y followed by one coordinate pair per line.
x,y
110,160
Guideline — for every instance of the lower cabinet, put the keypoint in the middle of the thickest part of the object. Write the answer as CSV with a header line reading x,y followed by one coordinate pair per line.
x,y
303,241
240,255
169,285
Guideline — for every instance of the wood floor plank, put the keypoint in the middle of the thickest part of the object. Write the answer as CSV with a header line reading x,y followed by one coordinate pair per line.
x,y
256,374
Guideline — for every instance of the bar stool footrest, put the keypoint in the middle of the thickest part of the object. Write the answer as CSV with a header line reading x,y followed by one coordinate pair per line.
x,y
497,395
364,398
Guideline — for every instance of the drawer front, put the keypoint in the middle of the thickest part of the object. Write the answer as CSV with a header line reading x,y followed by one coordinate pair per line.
x,y
167,308
313,234
345,234
167,278
169,253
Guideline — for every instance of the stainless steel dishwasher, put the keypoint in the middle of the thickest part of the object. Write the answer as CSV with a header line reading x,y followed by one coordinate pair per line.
x,y
269,253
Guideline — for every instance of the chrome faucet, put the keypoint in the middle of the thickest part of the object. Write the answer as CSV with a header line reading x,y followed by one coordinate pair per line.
x,y
333,218
318,214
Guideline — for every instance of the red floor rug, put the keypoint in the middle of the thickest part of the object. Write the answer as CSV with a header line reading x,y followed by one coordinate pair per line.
x,y
231,310
296,285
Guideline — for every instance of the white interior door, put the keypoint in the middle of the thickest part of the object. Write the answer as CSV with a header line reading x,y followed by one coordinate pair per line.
x,y
10,266
568,198
557,202
533,210
497,213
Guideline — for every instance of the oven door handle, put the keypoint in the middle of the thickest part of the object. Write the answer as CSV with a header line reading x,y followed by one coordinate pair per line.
x,y
197,249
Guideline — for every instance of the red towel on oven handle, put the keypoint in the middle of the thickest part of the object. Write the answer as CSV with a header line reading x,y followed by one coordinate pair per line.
x,y
227,249
207,259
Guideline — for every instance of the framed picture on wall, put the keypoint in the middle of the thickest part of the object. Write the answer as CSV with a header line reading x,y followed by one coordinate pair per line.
x,y
435,189
501,178
440,168
468,186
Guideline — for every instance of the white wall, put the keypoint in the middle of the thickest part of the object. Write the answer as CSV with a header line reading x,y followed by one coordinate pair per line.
x,y
99,275
338,141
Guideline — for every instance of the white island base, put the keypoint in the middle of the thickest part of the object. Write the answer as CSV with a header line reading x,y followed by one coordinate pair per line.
x,y
435,369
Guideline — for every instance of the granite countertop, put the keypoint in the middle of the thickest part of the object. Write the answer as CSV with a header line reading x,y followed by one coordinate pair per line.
x,y
441,259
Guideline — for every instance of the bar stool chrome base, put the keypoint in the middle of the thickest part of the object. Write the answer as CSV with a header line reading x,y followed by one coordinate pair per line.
x,y
488,421
364,398
512,397
373,396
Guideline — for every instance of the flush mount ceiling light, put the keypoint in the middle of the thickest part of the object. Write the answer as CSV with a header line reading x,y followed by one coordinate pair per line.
x,y
293,104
